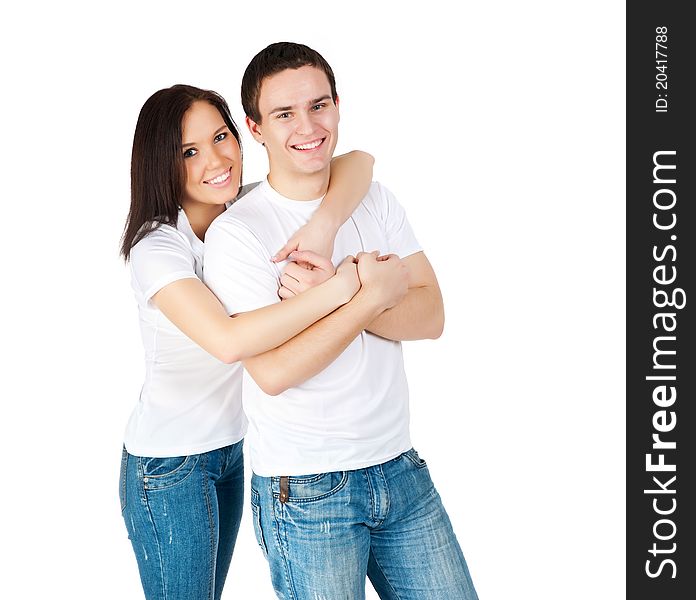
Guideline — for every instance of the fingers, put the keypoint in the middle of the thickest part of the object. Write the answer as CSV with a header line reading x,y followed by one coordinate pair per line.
x,y
283,253
285,293
302,278
316,260
362,256
290,283
350,259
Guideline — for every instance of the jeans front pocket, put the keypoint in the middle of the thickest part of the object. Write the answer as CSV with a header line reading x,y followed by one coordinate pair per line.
x,y
256,515
122,487
312,488
412,455
164,473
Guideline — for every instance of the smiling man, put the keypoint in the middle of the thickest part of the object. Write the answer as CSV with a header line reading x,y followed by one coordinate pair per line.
x,y
338,492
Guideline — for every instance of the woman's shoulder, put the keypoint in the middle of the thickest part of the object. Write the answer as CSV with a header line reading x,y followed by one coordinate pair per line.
x,y
246,188
161,239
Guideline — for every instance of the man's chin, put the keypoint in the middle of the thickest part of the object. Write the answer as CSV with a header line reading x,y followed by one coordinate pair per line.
x,y
312,167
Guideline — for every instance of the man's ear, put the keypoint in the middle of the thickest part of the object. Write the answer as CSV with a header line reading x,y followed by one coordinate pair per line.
x,y
255,129
336,103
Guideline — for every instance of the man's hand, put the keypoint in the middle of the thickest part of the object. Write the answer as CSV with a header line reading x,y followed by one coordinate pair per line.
x,y
384,277
308,270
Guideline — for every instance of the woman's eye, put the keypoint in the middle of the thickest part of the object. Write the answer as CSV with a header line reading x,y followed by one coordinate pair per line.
x,y
190,152
220,136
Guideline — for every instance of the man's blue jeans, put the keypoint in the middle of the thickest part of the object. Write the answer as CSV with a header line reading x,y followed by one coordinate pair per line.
x,y
322,534
182,515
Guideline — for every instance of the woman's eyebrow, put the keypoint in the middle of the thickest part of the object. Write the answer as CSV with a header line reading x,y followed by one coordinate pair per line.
x,y
218,130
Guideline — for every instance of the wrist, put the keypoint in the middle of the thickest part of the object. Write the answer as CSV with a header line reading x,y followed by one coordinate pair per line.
x,y
343,289
373,301
327,220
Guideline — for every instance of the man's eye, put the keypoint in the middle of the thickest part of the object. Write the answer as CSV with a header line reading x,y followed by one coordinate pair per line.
x,y
318,106
220,136
284,115
190,152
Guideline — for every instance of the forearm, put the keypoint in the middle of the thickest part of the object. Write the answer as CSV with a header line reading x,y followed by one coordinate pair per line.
x,y
314,349
258,331
198,314
420,315
351,176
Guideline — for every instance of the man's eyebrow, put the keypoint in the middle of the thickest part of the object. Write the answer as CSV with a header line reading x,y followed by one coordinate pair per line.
x,y
218,130
324,97
288,108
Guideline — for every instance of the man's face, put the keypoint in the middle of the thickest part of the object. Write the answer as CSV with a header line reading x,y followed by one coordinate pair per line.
x,y
299,121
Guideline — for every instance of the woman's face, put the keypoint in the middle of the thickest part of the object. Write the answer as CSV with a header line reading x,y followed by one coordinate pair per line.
x,y
212,157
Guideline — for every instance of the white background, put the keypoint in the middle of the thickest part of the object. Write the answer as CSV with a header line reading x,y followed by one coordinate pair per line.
x,y
500,126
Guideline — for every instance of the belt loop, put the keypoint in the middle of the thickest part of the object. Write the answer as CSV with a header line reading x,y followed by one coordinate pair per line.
x,y
284,489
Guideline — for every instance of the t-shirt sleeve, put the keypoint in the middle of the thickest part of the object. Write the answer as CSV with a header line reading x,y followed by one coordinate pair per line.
x,y
160,258
238,268
400,237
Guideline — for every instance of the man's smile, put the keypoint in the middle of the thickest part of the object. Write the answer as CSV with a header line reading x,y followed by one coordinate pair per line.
x,y
309,145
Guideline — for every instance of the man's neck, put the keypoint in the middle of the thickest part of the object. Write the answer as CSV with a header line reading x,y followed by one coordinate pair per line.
x,y
300,186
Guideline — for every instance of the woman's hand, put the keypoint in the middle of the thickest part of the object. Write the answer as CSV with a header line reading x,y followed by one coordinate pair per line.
x,y
347,277
317,235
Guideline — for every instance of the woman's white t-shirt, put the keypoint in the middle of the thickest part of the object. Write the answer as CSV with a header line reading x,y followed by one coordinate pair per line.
x,y
190,401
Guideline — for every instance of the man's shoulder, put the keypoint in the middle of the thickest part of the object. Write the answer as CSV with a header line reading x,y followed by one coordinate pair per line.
x,y
242,211
378,192
378,199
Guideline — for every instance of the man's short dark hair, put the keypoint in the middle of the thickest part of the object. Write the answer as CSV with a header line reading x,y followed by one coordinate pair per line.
x,y
274,59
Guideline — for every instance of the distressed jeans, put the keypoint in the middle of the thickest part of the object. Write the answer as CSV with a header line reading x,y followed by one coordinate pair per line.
x,y
323,534
182,515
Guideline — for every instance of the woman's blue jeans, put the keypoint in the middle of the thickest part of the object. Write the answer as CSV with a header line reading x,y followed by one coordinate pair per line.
x,y
182,514
323,534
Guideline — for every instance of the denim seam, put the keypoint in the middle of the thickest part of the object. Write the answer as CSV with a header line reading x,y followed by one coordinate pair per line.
x,y
206,494
301,480
163,581
123,490
286,568
373,512
256,513
387,501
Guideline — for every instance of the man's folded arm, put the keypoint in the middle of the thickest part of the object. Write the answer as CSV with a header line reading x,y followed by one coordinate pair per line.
x,y
421,314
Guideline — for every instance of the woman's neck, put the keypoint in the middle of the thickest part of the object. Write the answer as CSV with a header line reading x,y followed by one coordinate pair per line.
x,y
200,216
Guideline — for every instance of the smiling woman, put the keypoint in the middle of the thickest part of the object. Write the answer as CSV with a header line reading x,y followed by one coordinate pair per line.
x,y
182,479
213,162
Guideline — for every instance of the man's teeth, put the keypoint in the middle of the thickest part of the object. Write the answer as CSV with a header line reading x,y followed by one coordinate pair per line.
x,y
309,146
220,178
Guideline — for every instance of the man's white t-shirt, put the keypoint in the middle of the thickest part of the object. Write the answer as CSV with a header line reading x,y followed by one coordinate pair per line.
x,y
190,401
353,414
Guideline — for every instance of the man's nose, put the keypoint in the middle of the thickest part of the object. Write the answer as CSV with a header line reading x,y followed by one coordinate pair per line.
x,y
305,124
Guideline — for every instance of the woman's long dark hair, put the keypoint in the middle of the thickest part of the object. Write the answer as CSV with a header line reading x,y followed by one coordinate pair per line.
x,y
157,163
